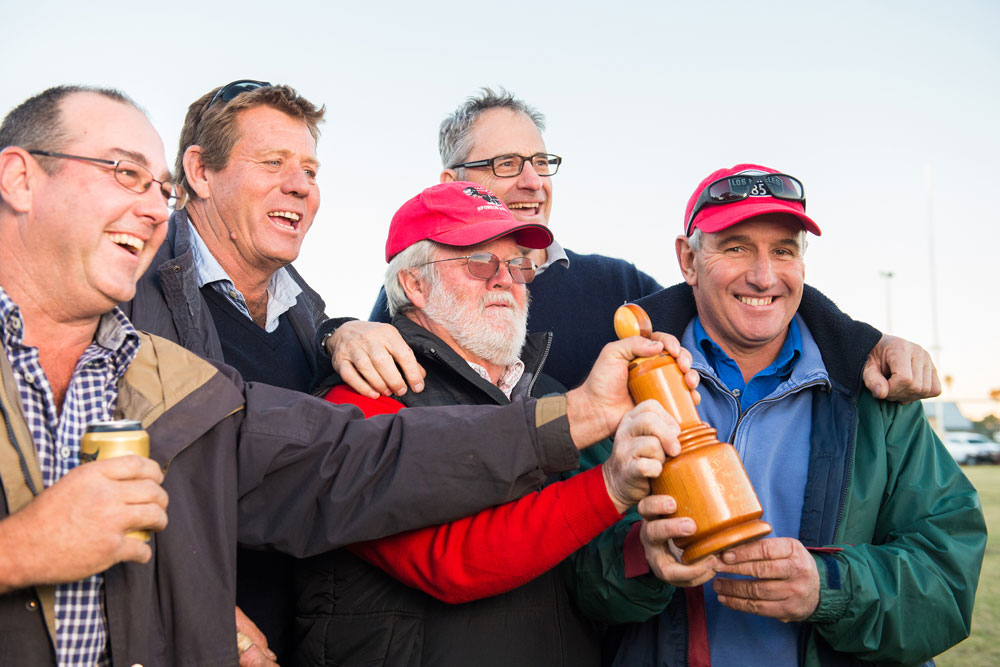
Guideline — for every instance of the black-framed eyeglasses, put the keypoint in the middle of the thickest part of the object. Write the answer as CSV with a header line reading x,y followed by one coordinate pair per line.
x,y
484,265
509,166
131,175
231,90
744,185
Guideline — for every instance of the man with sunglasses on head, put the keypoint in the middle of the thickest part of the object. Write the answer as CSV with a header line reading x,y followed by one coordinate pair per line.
x,y
222,284
84,197
878,536
487,591
495,139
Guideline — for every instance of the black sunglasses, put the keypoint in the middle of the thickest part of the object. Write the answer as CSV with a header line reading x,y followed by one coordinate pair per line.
x,y
744,185
231,90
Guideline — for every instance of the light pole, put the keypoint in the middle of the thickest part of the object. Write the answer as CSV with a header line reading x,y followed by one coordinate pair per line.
x,y
888,275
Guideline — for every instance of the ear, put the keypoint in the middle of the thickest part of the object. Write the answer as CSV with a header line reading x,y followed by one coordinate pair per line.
x,y
685,258
448,175
417,291
194,171
17,171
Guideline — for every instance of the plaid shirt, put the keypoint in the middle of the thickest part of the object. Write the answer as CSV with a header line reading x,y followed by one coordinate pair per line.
x,y
508,379
81,625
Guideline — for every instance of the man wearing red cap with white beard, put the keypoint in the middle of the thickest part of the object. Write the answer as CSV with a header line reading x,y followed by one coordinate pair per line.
x,y
878,536
487,592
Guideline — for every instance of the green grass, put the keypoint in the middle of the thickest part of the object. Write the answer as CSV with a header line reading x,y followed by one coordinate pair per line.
x,y
982,648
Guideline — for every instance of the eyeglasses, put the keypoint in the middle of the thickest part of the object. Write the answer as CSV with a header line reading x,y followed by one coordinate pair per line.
x,y
231,90
484,265
132,176
748,184
509,166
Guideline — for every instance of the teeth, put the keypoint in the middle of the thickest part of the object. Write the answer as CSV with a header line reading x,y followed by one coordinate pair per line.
x,y
762,301
523,205
294,217
129,242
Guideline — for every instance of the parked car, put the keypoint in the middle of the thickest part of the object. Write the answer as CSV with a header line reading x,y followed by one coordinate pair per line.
x,y
970,448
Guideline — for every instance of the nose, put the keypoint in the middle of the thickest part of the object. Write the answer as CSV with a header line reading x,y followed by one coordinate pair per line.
x,y
296,183
503,279
151,206
761,272
529,179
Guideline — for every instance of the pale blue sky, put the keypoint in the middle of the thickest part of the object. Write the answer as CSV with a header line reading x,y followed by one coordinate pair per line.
x,y
860,100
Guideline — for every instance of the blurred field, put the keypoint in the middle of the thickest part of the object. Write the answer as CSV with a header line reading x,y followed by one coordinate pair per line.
x,y
982,649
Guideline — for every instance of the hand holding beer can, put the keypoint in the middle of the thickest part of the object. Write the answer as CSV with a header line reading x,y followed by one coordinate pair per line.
x,y
106,440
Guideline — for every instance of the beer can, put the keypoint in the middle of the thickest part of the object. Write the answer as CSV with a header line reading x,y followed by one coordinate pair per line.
x,y
106,440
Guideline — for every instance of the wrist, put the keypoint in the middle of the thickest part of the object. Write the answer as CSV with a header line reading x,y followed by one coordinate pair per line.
x,y
586,425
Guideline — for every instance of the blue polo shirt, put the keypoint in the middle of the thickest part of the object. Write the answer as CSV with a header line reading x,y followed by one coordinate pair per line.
x,y
769,421
764,382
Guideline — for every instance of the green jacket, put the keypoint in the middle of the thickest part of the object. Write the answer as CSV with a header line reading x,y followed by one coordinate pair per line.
x,y
881,488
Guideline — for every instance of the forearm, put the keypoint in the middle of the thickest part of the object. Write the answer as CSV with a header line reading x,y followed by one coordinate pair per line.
x,y
346,479
500,548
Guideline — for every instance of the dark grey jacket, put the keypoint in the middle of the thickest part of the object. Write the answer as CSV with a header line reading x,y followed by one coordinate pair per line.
x,y
268,467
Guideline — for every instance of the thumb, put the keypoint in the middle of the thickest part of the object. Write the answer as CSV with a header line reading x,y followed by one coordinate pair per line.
x,y
875,381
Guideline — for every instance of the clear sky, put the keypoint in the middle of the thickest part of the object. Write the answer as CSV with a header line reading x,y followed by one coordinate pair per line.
x,y
887,111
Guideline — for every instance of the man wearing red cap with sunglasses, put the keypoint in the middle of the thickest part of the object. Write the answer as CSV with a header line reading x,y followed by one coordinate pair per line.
x,y
878,536
456,284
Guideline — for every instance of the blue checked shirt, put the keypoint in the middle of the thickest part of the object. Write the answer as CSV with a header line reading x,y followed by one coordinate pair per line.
x,y
81,624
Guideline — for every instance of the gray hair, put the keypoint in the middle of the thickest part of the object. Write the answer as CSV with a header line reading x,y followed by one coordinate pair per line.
x,y
455,136
697,238
417,257
36,123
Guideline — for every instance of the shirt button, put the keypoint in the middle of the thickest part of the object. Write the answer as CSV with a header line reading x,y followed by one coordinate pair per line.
x,y
736,392
31,605
29,378
233,294
64,452
15,323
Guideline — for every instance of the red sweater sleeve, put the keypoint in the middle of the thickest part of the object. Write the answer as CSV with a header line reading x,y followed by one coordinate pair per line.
x,y
497,549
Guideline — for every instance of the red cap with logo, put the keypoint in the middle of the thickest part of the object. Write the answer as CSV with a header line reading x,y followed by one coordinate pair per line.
x,y
459,213
746,191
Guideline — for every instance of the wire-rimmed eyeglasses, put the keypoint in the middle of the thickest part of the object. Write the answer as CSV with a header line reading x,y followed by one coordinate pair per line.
x,y
484,265
131,175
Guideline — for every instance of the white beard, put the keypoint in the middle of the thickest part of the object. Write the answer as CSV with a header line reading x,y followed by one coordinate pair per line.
x,y
496,336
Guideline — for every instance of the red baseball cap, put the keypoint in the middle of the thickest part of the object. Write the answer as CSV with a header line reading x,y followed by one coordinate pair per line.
x,y
459,213
716,217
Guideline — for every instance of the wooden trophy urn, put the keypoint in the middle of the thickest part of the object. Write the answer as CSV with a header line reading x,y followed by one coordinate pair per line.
x,y
707,478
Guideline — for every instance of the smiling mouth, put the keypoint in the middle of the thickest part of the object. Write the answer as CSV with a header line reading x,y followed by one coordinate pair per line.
x,y
130,243
285,219
756,301
528,208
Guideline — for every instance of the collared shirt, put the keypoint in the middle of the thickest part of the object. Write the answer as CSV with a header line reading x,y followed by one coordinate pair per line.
x,y
771,431
282,290
553,254
508,379
764,382
81,624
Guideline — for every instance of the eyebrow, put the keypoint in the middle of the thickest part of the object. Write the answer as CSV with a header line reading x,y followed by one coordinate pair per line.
x,y
743,238
139,158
